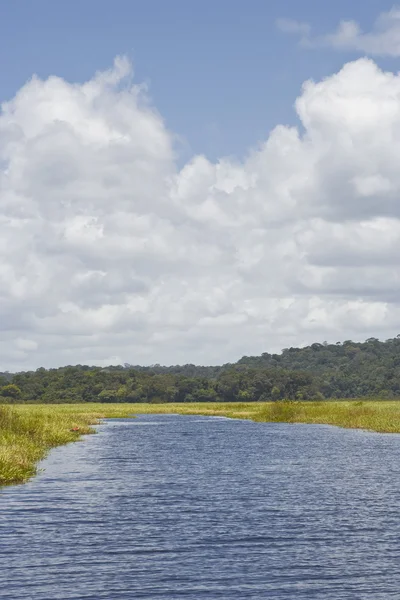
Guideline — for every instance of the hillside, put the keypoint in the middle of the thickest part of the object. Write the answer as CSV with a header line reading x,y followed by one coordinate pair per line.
x,y
342,370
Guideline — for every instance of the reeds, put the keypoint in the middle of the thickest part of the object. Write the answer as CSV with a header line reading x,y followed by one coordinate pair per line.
x,y
28,432
375,415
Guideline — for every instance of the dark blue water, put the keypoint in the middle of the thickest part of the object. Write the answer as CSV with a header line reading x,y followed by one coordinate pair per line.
x,y
172,507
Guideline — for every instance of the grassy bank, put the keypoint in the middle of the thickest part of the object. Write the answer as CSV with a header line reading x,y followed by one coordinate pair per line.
x,y
380,416
27,432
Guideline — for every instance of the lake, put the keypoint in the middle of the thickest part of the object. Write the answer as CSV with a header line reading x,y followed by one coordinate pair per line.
x,y
167,507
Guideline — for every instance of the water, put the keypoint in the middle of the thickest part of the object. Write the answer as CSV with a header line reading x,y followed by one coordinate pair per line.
x,y
173,507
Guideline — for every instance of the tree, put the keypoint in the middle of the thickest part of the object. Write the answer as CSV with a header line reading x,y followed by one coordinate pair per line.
x,y
275,393
350,369
11,391
107,396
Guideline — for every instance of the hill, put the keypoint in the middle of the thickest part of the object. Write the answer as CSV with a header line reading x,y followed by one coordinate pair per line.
x,y
318,371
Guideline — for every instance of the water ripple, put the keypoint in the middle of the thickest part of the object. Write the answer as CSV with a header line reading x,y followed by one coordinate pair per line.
x,y
200,508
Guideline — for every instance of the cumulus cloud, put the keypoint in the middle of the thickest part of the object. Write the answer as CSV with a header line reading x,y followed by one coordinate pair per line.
x,y
382,40
110,253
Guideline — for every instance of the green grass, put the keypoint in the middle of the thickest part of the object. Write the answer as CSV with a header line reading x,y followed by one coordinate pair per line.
x,y
375,415
29,431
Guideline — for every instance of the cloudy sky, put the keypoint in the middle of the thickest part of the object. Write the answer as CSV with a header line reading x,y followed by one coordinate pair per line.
x,y
193,182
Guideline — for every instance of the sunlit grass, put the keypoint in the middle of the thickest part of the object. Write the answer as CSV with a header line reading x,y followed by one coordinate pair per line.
x,y
375,415
28,432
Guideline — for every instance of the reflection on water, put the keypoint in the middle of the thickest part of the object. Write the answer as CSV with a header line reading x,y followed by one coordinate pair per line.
x,y
209,508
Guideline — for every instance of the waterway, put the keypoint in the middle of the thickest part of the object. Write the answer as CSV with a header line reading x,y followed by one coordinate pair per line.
x,y
168,507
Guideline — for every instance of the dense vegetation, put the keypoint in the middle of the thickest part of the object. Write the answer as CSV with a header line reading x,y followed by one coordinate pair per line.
x,y
342,370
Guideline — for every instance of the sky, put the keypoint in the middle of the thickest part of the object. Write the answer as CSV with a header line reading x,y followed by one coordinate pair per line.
x,y
196,181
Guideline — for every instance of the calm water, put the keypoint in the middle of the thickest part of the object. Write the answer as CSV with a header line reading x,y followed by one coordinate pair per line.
x,y
171,507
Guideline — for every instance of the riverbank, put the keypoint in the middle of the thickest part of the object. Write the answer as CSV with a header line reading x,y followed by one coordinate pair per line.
x,y
28,432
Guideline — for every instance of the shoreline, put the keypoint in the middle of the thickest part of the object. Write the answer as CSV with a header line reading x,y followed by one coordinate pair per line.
x,y
29,431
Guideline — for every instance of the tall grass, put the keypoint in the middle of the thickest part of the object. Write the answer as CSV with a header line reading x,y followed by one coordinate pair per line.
x,y
27,432
375,415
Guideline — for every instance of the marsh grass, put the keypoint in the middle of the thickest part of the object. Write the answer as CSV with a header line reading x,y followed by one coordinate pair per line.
x,y
28,432
375,415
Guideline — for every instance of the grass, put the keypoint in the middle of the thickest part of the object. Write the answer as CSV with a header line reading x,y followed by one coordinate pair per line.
x,y
29,431
375,415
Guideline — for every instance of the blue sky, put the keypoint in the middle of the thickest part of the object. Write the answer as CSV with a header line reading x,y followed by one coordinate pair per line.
x,y
219,229
219,72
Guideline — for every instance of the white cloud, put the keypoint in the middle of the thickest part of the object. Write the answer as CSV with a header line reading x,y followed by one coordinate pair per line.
x,y
293,26
26,345
382,40
110,253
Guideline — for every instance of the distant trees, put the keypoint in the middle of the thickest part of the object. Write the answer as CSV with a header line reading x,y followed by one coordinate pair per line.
x,y
10,392
341,370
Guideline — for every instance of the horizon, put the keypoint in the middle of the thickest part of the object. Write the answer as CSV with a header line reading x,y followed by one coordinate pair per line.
x,y
186,184
126,365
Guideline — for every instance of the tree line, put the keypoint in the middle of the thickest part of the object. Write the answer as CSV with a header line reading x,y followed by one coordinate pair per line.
x,y
318,371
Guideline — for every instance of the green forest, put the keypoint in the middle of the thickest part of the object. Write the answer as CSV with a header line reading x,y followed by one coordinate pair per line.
x,y
316,372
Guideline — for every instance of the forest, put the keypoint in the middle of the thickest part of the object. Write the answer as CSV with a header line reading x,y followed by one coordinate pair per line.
x,y
348,369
